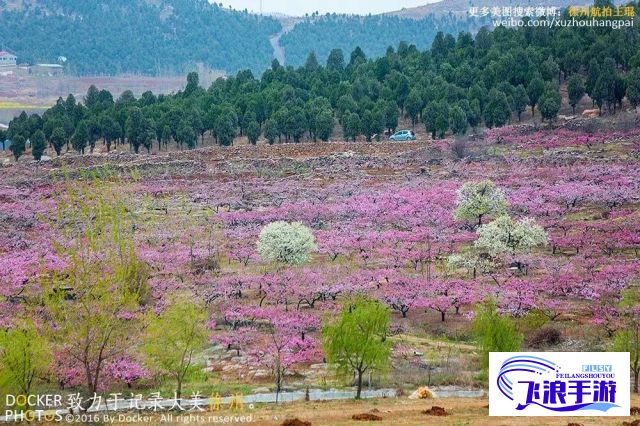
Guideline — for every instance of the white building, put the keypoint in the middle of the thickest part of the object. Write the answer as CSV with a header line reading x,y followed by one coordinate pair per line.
x,y
7,59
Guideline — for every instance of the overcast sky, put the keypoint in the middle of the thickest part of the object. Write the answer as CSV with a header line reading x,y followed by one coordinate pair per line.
x,y
300,7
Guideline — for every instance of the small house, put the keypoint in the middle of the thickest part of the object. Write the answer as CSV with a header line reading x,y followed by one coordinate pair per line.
x,y
7,59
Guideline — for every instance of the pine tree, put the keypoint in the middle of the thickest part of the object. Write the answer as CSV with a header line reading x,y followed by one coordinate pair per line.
x,y
576,90
38,145
550,102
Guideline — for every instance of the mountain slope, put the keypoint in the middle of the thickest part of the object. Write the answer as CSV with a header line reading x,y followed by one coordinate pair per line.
x,y
135,36
373,34
461,7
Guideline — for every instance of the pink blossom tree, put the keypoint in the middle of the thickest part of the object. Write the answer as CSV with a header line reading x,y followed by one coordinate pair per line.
x,y
282,346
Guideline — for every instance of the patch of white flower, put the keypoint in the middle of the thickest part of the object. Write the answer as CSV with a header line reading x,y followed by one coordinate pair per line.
x,y
459,261
479,199
504,235
470,263
283,242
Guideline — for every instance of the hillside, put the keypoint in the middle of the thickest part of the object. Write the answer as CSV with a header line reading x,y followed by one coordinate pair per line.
x,y
373,34
461,7
147,37
171,36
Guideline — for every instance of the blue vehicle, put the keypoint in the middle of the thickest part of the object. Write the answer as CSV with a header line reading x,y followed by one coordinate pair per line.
x,y
403,135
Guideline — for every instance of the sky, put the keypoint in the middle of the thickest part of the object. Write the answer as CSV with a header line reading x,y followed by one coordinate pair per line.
x,y
300,7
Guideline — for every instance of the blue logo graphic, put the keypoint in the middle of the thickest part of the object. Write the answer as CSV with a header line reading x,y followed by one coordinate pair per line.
x,y
563,393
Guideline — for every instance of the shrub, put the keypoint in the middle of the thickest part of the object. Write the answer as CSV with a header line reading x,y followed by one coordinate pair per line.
x,y
495,333
205,264
532,321
459,148
546,336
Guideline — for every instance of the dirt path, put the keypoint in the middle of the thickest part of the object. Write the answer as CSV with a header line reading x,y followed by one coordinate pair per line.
x,y
278,50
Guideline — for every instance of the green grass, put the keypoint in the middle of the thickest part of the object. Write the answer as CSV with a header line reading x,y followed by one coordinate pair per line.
x,y
19,105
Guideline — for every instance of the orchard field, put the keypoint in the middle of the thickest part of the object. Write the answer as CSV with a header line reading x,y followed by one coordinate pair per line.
x,y
543,222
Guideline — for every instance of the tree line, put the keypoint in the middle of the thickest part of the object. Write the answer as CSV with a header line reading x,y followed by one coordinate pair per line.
x,y
459,83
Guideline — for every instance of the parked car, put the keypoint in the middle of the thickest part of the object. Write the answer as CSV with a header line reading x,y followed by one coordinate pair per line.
x,y
403,135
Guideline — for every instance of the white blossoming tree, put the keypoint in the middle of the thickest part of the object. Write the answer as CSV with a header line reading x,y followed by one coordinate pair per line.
x,y
503,235
471,262
288,243
479,199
